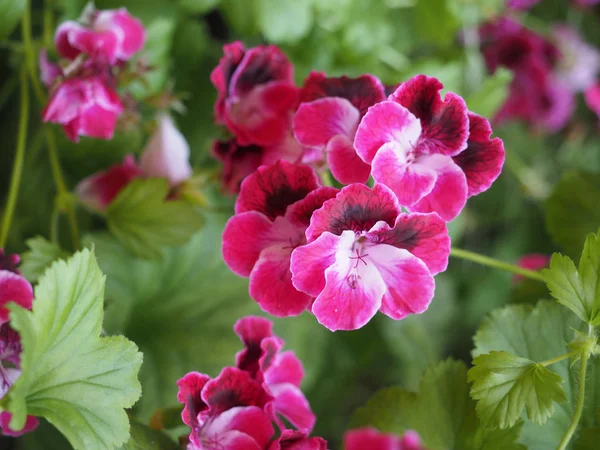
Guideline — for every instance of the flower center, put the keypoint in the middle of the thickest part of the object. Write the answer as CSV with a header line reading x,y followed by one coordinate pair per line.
x,y
359,255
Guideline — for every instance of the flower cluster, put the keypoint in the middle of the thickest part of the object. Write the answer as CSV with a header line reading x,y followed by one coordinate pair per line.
x,y
344,254
369,438
13,288
84,98
243,406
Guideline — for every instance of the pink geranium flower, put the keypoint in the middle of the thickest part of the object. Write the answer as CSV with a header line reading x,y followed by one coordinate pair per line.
x,y
328,116
370,438
256,93
579,64
84,107
111,36
592,98
273,211
280,372
418,144
9,262
13,288
364,255
521,4
297,440
532,261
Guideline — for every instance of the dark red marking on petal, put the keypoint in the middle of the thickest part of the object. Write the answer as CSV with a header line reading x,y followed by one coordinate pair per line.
x,y
252,330
190,389
301,211
238,161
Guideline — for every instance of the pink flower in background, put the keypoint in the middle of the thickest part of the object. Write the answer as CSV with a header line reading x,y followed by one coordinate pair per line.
x,y
370,438
363,255
113,35
167,154
99,190
272,212
9,262
84,107
256,91
49,72
521,4
328,116
533,261
592,98
579,63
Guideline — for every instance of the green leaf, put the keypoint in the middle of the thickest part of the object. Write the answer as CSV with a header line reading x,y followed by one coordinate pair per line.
x,y
491,94
284,21
145,438
11,12
435,22
38,258
179,309
80,382
587,439
442,413
144,221
504,384
198,6
572,211
577,289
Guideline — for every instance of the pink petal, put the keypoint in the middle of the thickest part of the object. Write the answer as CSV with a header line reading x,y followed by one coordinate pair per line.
x,y
10,346
285,368
301,212
445,123
532,261
61,39
271,189
345,164
291,403
309,262
371,439
233,387
220,77
48,71
270,348
363,92
98,122
483,158
8,377
30,424
449,195
410,181
167,154
423,235
297,440
239,428
271,283
316,122
10,262
238,162
386,122
411,441
129,30
251,330
100,45
13,288
592,98
189,394
410,285
357,208
353,291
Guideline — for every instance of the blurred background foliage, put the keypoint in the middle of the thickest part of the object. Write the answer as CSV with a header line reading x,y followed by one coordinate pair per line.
x,y
180,309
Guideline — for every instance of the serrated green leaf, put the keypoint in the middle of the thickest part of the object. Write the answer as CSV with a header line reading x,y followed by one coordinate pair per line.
x,y
441,412
504,384
41,254
145,438
11,12
572,210
577,289
284,20
77,380
145,222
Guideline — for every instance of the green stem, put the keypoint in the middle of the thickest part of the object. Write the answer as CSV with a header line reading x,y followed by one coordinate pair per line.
x,y
560,358
491,262
30,54
564,442
19,159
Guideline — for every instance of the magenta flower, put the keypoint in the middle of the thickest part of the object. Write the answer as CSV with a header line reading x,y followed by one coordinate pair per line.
x,y
167,154
579,64
273,211
112,35
532,261
9,262
256,93
99,190
521,4
364,255
84,107
280,372
418,145
13,288
370,438
297,440
328,117
592,98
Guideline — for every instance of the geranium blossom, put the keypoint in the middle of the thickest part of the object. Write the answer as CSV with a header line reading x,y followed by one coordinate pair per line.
x,y
532,261
431,152
256,93
592,98
273,211
521,4
297,440
363,255
370,438
328,116
579,63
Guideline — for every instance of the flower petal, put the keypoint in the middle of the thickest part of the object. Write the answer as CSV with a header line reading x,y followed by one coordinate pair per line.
x,y
130,31
309,262
30,424
301,211
189,394
61,39
297,440
345,164
371,439
285,367
13,288
239,428
291,403
251,330
357,208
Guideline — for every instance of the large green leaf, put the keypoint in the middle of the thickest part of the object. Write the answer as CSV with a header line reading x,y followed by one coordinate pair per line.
x,y
80,382
38,258
441,412
10,15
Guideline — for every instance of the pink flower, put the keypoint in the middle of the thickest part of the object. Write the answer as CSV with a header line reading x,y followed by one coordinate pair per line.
x,y
363,255
13,288
532,261
256,93
297,440
592,98
167,154
370,438
84,107
113,35
328,116
31,424
521,4
579,63
273,211
99,190
9,262
280,372
49,71
418,144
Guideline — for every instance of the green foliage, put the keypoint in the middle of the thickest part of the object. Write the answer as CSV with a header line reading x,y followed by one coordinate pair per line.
x,y
436,22
80,382
504,384
490,96
144,438
198,6
283,20
572,210
40,255
11,12
441,412
578,289
145,221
